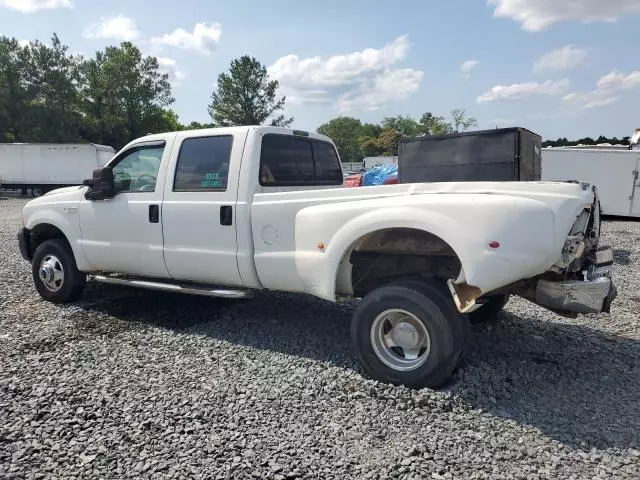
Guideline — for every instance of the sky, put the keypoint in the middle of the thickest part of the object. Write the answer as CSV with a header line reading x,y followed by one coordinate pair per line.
x,y
561,68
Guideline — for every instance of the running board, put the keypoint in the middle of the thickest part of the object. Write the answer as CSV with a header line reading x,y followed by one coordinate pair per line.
x,y
172,287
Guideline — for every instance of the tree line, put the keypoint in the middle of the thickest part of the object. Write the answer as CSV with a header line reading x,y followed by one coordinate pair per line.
x,y
355,140
564,142
51,96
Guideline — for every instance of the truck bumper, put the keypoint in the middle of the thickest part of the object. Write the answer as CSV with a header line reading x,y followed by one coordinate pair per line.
x,y
24,244
593,295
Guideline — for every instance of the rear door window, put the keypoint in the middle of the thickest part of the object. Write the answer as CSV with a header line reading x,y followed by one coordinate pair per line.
x,y
203,164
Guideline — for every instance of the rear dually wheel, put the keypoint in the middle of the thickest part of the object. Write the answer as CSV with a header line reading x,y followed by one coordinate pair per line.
x,y
404,334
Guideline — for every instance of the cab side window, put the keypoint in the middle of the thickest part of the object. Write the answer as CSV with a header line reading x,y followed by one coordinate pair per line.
x,y
137,170
286,160
203,164
328,171
289,160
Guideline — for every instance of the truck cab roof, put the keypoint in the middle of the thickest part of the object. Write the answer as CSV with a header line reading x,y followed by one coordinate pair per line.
x,y
203,132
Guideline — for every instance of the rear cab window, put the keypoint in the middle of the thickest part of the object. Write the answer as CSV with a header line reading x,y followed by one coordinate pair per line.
x,y
289,160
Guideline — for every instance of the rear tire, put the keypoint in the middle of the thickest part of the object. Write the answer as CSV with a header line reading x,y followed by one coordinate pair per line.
x,y
55,274
490,309
404,334
461,327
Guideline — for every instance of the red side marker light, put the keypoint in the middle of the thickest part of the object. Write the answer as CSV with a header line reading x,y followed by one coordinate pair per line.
x,y
494,244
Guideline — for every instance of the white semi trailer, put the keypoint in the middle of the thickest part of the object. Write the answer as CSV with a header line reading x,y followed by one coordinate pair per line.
x,y
614,171
46,166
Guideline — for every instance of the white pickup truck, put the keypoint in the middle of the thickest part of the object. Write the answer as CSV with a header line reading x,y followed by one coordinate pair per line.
x,y
225,212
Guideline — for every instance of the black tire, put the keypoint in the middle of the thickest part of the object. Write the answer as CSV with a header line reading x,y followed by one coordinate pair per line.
x,y
74,281
425,304
38,191
490,309
461,327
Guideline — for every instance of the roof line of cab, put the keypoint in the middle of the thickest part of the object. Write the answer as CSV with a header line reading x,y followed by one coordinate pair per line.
x,y
220,130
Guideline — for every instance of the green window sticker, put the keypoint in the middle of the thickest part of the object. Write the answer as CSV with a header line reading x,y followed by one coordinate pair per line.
x,y
211,180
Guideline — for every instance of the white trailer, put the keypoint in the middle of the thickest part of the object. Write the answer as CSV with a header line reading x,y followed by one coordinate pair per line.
x,y
613,171
44,167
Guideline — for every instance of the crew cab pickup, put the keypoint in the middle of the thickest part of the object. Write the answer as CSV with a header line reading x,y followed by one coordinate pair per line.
x,y
229,211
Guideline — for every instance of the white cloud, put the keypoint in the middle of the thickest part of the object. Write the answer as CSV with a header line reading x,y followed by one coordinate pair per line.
x,y
359,80
537,15
594,99
389,86
520,91
564,58
118,27
204,38
619,81
24,43
606,92
338,69
466,67
30,6
170,67
469,65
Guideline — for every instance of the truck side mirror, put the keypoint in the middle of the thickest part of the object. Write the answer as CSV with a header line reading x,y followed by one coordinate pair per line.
x,y
102,185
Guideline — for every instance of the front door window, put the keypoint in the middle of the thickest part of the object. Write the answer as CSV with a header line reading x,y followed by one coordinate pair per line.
x,y
138,170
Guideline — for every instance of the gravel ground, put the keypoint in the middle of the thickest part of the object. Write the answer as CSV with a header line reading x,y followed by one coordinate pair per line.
x,y
130,384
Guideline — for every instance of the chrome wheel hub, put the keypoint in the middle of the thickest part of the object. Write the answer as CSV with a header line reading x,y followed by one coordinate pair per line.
x,y
51,273
405,335
400,340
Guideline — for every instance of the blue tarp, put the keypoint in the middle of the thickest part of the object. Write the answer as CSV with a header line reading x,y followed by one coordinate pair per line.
x,y
379,173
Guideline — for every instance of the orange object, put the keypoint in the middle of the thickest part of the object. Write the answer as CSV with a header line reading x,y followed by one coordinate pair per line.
x,y
353,181
391,180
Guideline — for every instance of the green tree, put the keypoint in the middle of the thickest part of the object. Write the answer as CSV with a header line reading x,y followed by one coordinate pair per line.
x,y
345,132
52,80
460,122
13,92
403,124
171,121
432,125
246,96
198,126
583,141
123,96
384,144
370,130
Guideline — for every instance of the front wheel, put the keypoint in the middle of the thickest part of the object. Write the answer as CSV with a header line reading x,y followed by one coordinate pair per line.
x,y
55,273
404,335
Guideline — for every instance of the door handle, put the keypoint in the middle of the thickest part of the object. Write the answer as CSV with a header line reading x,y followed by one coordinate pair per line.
x,y
154,213
226,215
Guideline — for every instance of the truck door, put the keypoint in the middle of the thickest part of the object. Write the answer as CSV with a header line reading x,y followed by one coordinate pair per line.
x,y
123,234
199,209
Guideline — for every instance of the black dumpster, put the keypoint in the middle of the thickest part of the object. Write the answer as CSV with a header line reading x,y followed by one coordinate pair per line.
x,y
506,154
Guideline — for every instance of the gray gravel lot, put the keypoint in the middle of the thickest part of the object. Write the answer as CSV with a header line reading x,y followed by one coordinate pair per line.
x,y
130,383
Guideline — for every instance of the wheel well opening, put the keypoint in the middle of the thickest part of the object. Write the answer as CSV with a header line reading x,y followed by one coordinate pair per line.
x,y
43,232
381,256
